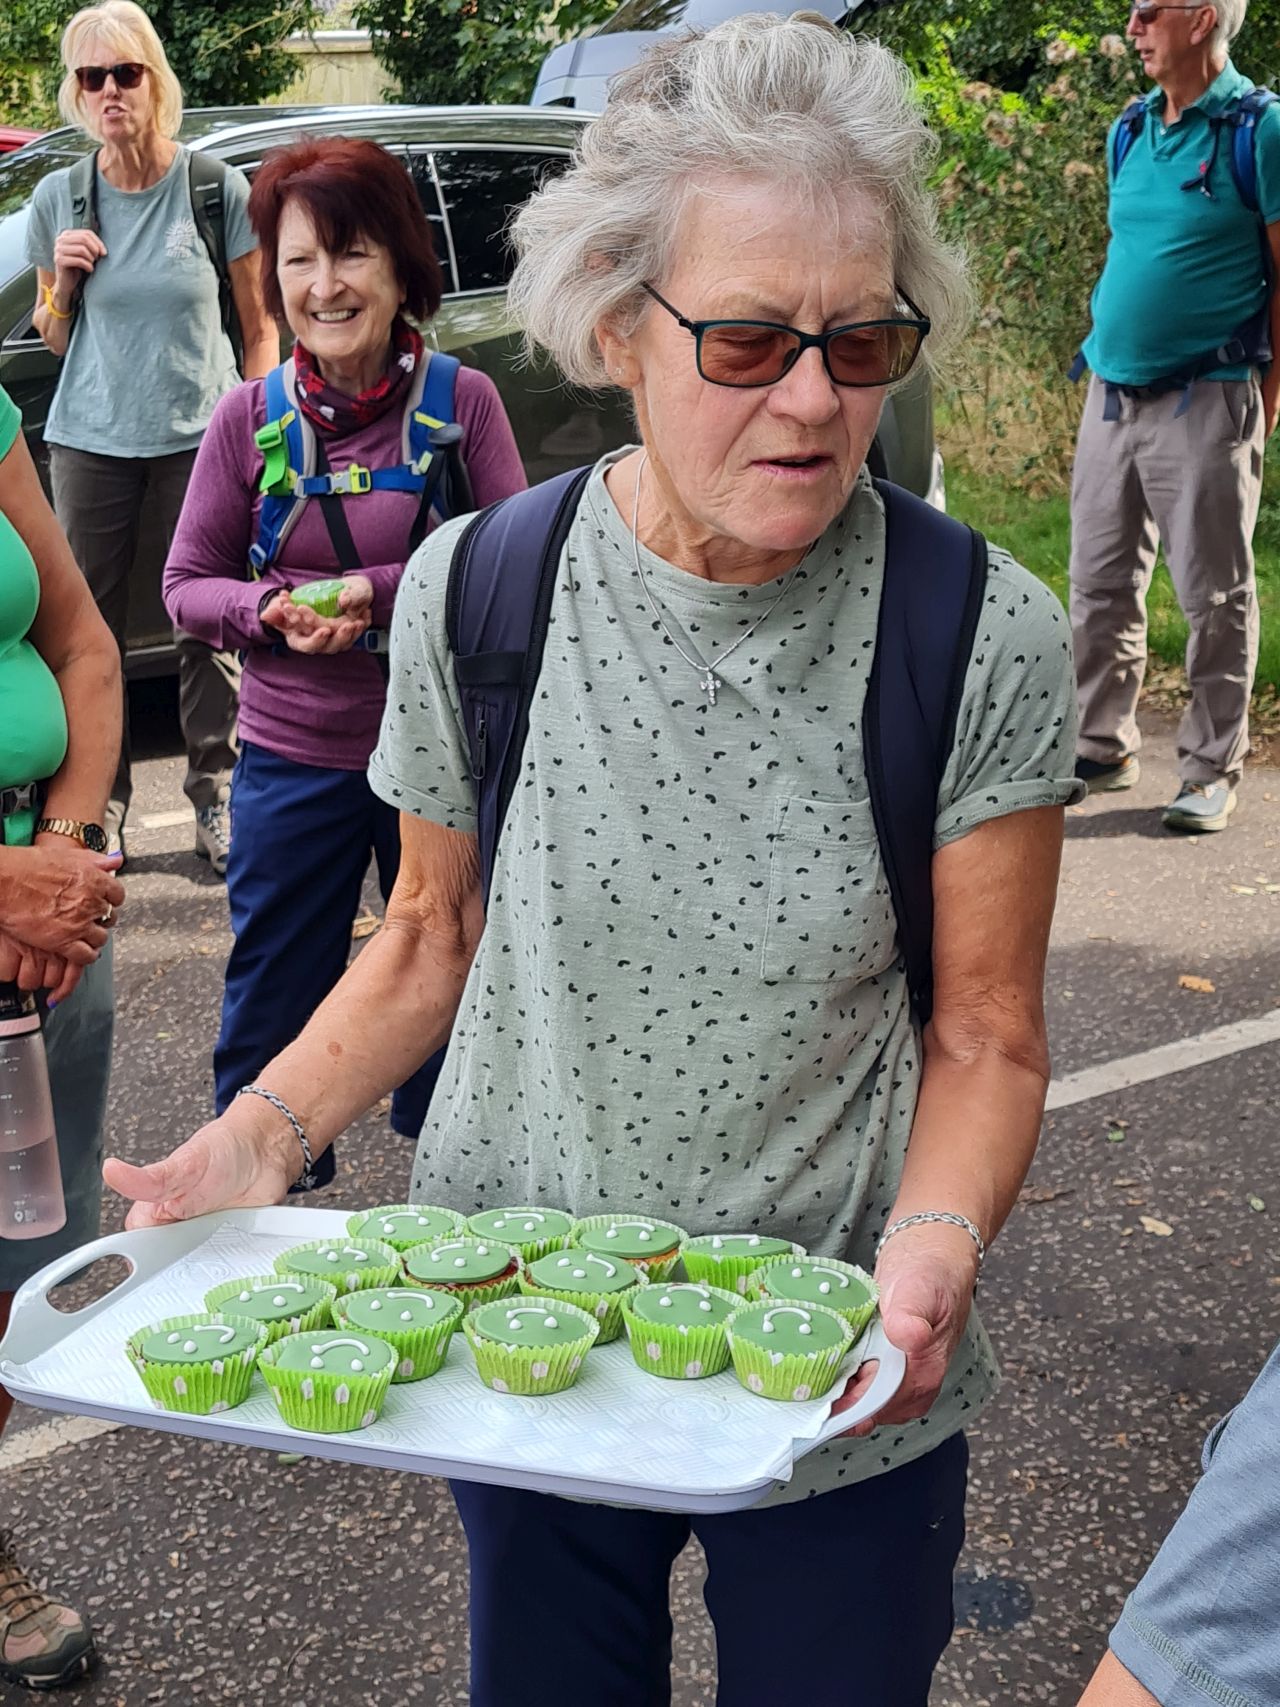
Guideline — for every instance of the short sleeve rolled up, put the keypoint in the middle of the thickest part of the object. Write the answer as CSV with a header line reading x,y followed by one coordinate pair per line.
x,y
1014,745
421,763
240,238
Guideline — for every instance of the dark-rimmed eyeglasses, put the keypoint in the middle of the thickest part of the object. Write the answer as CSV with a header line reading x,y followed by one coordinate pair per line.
x,y
761,352
94,77
1145,10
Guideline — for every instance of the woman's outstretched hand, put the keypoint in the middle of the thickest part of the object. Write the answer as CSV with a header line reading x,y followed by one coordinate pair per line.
x,y
244,1159
304,631
926,1276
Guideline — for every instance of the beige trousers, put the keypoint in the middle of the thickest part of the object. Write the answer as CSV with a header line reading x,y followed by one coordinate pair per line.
x,y
1191,483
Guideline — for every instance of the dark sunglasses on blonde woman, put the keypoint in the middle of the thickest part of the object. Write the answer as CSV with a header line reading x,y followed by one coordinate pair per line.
x,y
94,77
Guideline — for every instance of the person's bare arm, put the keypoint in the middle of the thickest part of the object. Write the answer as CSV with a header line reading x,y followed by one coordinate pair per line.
x,y
258,329
982,1088
75,254
1113,1686
392,1009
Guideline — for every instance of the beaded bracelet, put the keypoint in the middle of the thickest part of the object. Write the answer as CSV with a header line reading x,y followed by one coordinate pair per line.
x,y
307,1179
948,1216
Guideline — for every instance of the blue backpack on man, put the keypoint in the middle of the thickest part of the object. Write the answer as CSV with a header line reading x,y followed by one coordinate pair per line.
x,y
498,604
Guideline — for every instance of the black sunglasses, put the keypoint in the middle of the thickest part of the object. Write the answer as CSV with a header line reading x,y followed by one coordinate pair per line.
x,y
94,77
1145,10
761,352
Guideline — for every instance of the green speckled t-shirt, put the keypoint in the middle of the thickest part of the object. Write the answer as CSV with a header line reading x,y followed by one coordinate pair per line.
x,y
688,998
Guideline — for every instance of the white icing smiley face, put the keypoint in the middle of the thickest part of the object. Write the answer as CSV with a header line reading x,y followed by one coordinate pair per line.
x,y
277,1290
345,1253
643,1230
577,1266
322,1355
518,1310
529,1222
839,1280
189,1345
806,1318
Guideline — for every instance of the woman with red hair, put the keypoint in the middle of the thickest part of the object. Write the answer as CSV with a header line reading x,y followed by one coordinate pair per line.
x,y
348,263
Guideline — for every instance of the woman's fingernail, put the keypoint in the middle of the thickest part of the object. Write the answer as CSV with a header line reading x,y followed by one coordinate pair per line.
x,y
51,1004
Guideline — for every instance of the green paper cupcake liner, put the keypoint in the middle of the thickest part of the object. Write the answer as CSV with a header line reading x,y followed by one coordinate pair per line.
x,y
223,1299
530,1249
199,1389
354,1221
476,1292
661,1267
661,1349
530,1369
604,1308
422,1351
857,1315
324,1404
387,1271
797,1376
730,1274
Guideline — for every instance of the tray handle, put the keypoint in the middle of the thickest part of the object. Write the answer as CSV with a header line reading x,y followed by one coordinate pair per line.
x,y
35,1324
887,1380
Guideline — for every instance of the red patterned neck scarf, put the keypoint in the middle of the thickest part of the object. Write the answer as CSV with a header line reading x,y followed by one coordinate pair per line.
x,y
333,411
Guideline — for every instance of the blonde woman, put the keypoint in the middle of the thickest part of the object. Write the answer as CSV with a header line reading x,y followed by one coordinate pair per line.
x,y
129,296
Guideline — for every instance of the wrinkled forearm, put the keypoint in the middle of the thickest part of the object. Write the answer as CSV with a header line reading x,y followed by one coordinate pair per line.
x,y
90,688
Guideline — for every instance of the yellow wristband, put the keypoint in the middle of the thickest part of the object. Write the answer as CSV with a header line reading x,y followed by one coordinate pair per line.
x,y
48,302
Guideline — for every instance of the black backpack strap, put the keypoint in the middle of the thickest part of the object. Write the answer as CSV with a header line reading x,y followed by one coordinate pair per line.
x,y
935,577
82,182
497,608
207,180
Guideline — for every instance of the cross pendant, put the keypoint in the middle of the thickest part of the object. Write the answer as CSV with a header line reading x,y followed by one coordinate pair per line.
x,y
709,683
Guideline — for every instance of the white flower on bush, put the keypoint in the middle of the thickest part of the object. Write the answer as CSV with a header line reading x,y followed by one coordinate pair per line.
x,y
998,129
1112,47
1076,170
1060,52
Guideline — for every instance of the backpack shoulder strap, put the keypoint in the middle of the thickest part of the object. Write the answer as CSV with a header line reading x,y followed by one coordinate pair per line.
x,y
206,182
287,443
497,608
82,182
1127,131
1244,115
433,445
935,576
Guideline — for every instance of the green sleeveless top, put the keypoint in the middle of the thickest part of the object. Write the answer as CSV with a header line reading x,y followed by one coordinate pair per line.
x,y
33,723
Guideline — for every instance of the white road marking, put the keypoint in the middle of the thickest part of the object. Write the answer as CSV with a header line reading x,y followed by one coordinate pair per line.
x,y
36,1443
163,820
1140,1069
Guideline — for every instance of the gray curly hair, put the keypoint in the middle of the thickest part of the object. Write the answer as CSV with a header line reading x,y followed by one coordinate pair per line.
x,y
1230,21
762,97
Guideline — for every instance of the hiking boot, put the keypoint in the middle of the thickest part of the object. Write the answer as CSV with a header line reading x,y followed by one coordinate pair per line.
x,y
42,1644
1108,778
213,836
1200,807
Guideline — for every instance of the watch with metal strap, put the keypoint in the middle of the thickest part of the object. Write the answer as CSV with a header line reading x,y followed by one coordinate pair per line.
x,y
91,836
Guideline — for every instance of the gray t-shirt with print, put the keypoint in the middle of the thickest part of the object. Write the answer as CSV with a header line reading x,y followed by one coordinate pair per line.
x,y
148,358
688,998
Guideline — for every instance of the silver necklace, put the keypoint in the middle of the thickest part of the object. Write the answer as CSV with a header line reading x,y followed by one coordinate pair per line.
x,y
708,680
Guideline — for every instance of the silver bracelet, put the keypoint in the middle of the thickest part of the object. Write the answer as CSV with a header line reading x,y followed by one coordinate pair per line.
x,y
306,1181
948,1216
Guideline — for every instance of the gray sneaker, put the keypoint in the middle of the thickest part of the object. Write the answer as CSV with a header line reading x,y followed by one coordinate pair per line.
x,y
1200,807
213,836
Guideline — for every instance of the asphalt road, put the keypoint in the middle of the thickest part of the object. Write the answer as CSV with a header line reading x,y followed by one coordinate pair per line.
x,y
222,1575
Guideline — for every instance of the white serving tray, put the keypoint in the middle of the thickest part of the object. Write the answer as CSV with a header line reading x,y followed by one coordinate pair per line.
x,y
617,1435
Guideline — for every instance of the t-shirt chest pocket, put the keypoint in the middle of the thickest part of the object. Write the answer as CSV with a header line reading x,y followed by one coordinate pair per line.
x,y
830,914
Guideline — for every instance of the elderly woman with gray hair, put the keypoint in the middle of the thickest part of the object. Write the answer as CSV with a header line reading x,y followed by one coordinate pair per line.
x,y
679,983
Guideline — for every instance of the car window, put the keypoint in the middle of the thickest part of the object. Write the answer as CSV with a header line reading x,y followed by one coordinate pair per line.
x,y
483,187
424,182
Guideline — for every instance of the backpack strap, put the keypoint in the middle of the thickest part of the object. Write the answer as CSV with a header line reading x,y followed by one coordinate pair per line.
x,y
497,608
206,182
1243,116
1127,130
82,182
935,576
287,444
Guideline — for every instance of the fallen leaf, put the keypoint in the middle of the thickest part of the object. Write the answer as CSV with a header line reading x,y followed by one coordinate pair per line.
x,y
1241,889
163,1036
1255,1203
1150,1224
1189,981
364,926
1125,1182
1271,888
1044,1193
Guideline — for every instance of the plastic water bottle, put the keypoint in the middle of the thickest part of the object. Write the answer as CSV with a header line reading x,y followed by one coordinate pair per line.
x,y
31,1202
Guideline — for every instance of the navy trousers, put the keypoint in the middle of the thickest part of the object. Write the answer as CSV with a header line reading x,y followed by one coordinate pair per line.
x,y
301,838
843,1600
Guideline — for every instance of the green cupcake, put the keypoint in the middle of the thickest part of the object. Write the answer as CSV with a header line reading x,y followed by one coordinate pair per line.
x,y
533,1232
474,1270
653,1245
595,1284
841,1286
348,1264
787,1351
329,1382
276,1303
532,1345
678,1330
197,1364
730,1259
404,1225
418,1324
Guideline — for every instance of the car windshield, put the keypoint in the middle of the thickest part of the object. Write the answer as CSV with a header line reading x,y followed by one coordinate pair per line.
x,y
695,14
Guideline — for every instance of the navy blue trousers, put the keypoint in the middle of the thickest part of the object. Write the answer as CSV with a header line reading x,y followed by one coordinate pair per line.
x,y
301,838
843,1600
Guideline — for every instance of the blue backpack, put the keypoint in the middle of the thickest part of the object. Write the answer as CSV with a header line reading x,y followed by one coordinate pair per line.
x,y
498,603
295,467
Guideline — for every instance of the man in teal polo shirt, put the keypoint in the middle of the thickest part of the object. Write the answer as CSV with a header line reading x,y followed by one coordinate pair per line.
x,y
1182,400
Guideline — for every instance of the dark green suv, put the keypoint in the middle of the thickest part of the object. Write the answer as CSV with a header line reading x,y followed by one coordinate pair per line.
x,y
472,167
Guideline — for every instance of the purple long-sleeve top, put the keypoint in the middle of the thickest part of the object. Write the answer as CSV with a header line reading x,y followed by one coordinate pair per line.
x,y
316,711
